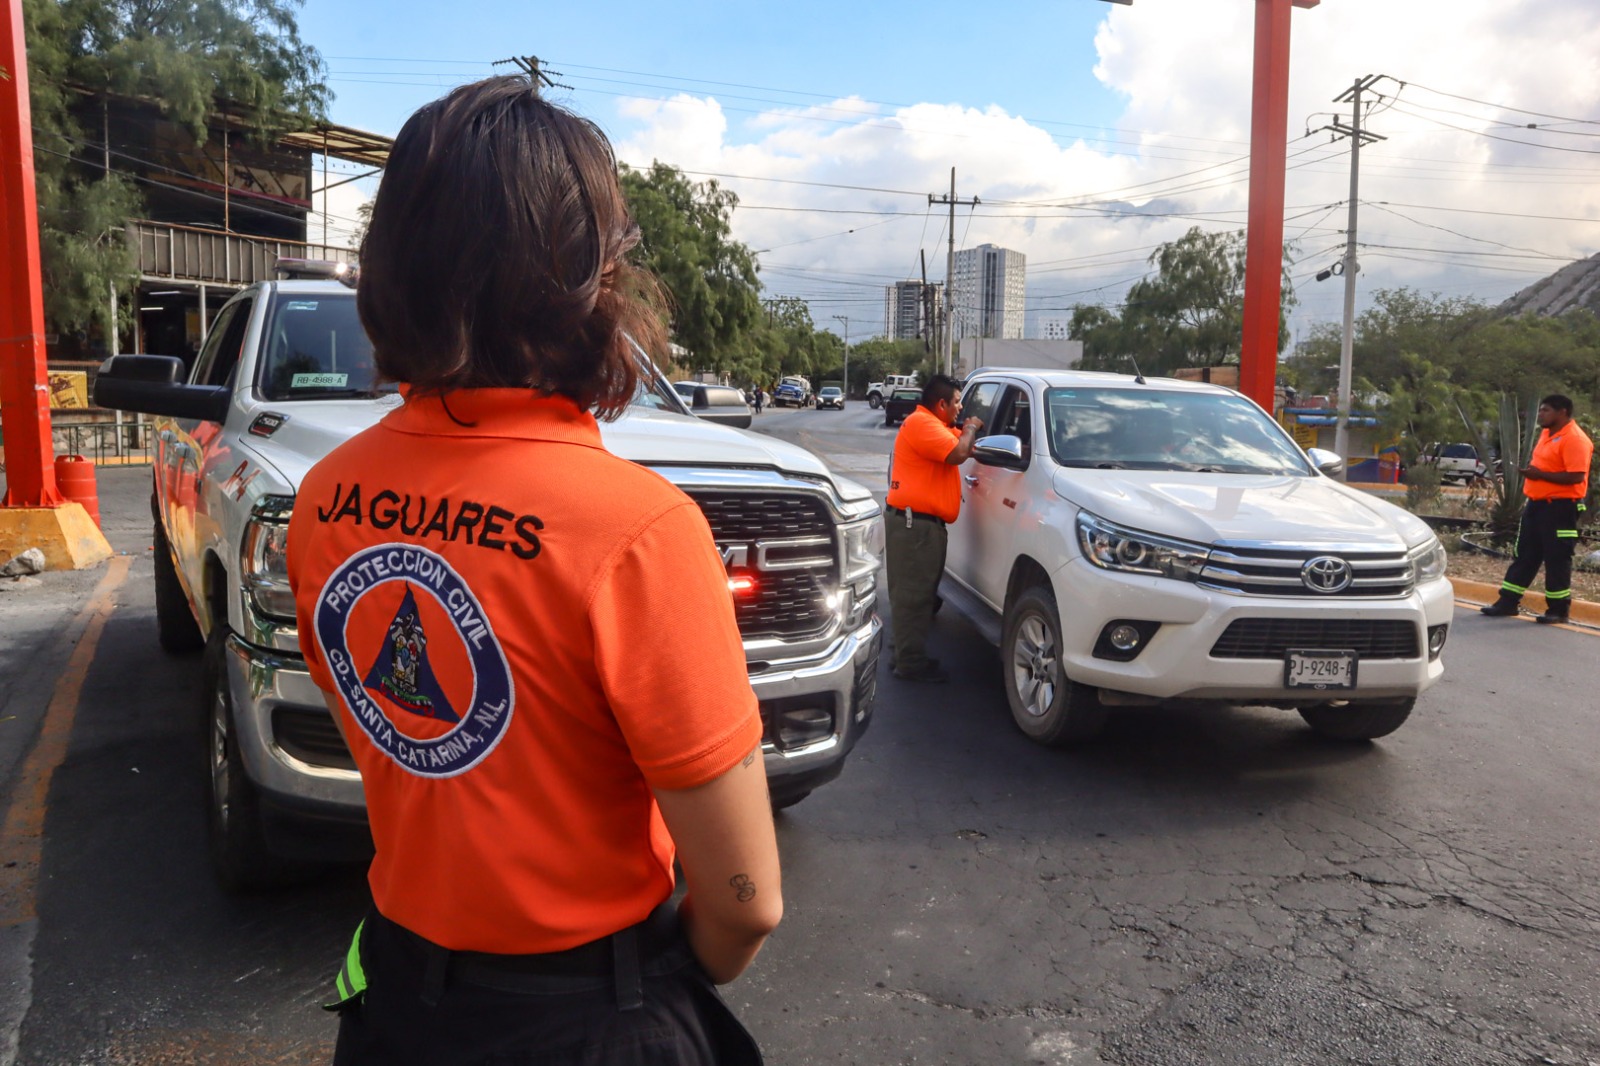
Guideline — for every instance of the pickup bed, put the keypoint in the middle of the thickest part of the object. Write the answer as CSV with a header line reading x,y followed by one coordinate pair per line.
x,y
284,376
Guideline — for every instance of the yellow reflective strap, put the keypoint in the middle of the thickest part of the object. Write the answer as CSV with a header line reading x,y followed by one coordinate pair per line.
x,y
1509,587
351,980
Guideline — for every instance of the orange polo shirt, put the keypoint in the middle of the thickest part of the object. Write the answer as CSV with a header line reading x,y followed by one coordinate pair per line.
x,y
527,635
920,479
1568,450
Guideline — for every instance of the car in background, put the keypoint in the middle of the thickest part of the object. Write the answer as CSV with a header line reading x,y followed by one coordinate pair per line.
x,y
900,403
722,404
830,396
1455,462
1126,541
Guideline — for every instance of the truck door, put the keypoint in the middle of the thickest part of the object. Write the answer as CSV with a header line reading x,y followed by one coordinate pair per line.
x,y
187,445
1000,498
961,557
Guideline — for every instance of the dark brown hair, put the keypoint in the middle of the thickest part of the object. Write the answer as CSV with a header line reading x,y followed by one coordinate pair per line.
x,y
496,254
938,387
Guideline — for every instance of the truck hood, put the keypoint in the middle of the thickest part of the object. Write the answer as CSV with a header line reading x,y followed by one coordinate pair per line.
x,y
1298,512
647,437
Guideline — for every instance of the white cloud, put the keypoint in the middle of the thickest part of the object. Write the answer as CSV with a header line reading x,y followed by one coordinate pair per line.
x,y
1183,69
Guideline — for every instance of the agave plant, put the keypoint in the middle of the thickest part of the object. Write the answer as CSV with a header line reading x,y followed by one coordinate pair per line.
x,y
1518,435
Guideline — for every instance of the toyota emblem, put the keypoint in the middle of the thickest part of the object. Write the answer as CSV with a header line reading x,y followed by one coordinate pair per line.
x,y
1326,573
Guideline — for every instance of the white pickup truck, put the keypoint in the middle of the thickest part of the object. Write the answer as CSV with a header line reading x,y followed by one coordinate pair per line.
x,y
284,376
878,391
1126,541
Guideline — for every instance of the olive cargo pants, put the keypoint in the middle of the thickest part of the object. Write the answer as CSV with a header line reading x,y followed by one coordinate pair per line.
x,y
916,562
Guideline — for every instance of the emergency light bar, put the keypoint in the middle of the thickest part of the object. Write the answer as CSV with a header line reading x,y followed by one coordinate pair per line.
x,y
327,269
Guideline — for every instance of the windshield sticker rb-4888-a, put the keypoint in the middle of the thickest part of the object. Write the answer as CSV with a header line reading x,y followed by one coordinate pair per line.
x,y
319,381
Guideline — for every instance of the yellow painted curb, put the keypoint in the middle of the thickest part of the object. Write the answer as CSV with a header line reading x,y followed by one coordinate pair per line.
x,y
67,535
1480,592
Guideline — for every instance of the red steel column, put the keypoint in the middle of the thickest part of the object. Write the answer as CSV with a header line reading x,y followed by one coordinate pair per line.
x,y
24,392
1263,280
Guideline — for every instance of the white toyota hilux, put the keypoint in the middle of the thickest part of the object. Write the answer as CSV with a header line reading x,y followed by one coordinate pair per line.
x,y
284,376
1129,541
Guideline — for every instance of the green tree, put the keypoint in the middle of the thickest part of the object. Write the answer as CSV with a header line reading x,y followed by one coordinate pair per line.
x,y
688,243
190,57
1190,313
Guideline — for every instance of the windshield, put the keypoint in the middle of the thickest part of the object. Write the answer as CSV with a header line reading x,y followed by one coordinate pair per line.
x,y
1148,429
654,392
316,349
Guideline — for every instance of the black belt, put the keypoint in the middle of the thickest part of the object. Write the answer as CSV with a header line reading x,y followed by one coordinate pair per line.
x,y
616,956
917,514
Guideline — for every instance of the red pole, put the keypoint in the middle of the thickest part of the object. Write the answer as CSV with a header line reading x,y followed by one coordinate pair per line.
x,y
24,390
1269,138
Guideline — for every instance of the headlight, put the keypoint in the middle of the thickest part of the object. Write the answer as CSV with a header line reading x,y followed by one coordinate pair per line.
x,y
265,561
863,548
1111,547
1428,560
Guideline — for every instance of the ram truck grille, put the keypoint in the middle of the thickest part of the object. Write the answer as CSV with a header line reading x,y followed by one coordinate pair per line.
x,y
1271,638
785,544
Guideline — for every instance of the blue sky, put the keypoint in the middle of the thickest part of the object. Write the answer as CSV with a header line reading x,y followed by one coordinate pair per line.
x,y
1092,131
1037,60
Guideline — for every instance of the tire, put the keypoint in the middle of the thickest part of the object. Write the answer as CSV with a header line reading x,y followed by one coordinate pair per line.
x,y
783,803
176,628
874,401
240,858
1358,719
1046,705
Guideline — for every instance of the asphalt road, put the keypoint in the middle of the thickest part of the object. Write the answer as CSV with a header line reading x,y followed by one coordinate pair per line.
x,y
1198,887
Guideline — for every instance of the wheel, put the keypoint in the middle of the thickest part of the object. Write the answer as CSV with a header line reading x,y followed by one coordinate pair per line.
x,y
176,628
1046,705
1358,719
240,858
874,401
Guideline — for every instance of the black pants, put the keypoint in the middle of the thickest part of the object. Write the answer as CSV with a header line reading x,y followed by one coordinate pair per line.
x,y
426,1005
1547,537
915,556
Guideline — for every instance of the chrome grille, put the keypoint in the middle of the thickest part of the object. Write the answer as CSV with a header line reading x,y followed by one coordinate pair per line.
x,y
785,542
1266,572
1271,638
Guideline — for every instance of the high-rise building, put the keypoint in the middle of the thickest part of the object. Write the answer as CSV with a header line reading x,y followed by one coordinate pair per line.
x,y
1054,327
910,309
988,298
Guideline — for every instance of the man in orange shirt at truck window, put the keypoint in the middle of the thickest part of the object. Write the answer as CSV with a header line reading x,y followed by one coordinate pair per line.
x,y
1555,481
924,497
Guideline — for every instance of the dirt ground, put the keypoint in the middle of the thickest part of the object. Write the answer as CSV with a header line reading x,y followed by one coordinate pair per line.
x,y
1475,566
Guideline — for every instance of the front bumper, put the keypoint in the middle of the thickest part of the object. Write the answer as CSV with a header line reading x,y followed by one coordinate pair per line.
x,y
813,711
1178,662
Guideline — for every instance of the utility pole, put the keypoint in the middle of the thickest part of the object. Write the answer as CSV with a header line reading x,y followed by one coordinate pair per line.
x,y
1358,137
846,320
950,269
533,67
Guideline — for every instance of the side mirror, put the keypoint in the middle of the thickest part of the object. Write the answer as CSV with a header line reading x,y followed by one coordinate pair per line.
x,y
154,385
1330,463
1002,449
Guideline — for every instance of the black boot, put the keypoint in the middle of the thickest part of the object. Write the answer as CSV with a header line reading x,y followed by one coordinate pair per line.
x,y
1504,607
1552,615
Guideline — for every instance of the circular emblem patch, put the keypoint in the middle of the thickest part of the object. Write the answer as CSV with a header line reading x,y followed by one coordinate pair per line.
x,y
415,659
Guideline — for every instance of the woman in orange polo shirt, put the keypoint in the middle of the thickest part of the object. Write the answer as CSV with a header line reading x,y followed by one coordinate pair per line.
x,y
483,593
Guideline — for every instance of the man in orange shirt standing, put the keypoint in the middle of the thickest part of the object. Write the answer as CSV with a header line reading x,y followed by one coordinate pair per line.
x,y
924,497
1555,481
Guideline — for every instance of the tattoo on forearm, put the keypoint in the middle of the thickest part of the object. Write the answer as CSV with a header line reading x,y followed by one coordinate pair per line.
x,y
743,887
750,760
